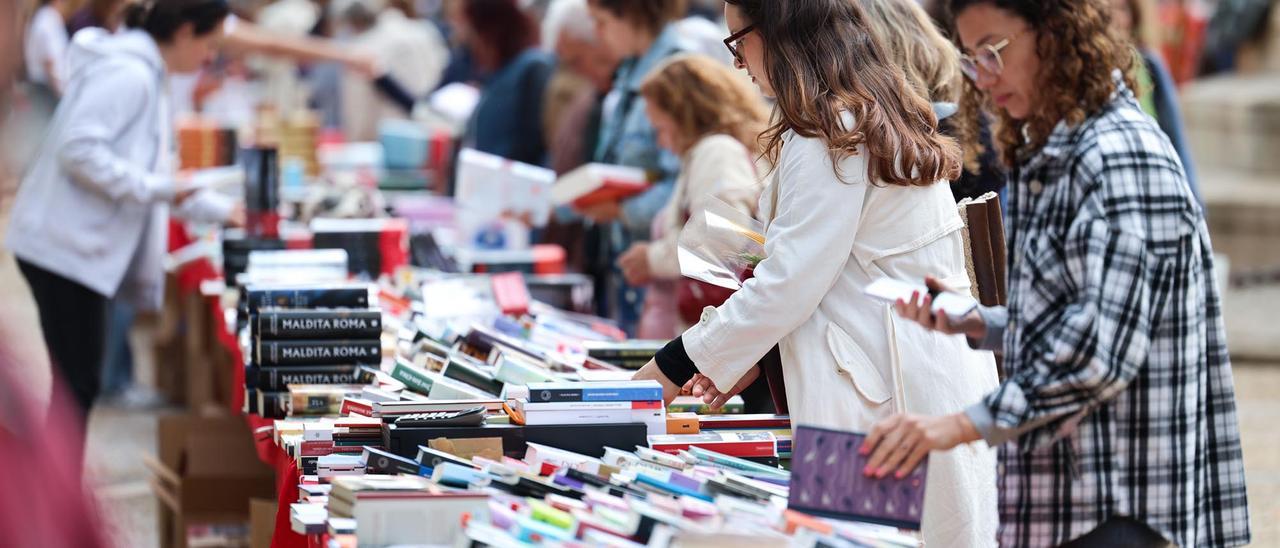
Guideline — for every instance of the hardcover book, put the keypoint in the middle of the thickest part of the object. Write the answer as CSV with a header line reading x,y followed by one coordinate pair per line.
x,y
753,444
319,324
596,391
318,296
291,353
827,481
279,378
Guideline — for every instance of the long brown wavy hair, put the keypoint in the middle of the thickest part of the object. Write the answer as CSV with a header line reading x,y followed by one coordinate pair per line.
x,y
823,59
705,97
1078,50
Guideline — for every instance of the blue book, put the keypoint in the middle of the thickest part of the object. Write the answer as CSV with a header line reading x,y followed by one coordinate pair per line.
x,y
594,391
671,487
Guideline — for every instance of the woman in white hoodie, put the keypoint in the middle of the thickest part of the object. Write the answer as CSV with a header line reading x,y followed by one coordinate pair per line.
x,y
91,219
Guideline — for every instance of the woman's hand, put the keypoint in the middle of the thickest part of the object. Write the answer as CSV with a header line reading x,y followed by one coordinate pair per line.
x,y
635,265
920,310
702,387
900,442
651,372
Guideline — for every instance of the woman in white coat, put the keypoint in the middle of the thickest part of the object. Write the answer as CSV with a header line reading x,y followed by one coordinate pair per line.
x,y
91,218
859,193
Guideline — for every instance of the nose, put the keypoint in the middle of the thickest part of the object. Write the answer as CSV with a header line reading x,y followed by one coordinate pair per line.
x,y
738,63
985,80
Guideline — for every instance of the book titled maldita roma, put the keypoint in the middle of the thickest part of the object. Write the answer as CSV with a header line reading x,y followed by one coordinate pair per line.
x,y
319,324
290,353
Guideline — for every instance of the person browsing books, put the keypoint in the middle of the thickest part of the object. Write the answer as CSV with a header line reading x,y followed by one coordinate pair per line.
x,y
90,220
712,117
642,35
1116,425
858,193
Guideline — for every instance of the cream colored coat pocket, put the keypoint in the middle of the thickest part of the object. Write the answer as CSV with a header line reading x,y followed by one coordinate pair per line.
x,y
852,362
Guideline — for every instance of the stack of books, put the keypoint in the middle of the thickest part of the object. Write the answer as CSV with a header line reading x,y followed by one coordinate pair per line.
x,y
778,425
390,510
628,402
307,345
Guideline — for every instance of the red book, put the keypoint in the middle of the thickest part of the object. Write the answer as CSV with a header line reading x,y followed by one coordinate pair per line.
x,y
510,293
738,422
734,444
357,406
598,183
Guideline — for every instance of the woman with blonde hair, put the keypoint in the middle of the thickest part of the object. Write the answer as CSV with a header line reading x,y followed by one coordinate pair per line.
x,y
707,114
932,65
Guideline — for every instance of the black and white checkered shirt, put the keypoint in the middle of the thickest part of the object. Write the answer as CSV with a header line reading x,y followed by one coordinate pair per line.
x,y
1119,400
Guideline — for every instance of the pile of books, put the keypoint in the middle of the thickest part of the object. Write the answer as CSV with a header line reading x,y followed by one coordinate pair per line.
x,y
630,497
306,347
562,403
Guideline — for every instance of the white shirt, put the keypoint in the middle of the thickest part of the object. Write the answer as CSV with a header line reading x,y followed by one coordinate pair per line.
x,y
46,43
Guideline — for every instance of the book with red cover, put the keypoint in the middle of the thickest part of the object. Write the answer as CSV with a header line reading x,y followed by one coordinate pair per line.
x,y
736,444
598,183
740,422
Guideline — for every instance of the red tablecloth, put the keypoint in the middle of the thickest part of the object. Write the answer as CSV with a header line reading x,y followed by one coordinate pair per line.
x,y
189,278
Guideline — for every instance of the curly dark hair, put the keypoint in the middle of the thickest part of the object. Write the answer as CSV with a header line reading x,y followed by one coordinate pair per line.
x,y
1079,51
824,59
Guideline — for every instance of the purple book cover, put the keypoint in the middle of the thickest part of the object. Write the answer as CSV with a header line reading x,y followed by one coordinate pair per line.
x,y
827,481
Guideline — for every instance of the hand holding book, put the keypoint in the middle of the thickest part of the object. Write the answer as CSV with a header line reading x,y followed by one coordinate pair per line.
x,y
899,443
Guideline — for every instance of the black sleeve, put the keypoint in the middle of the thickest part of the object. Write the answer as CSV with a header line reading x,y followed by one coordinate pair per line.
x,y
675,363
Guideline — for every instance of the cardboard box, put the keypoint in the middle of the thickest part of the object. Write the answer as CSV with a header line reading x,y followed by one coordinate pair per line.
x,y
206,473
262,522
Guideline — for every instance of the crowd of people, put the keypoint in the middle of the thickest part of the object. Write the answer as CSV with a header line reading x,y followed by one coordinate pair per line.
x,y
849,128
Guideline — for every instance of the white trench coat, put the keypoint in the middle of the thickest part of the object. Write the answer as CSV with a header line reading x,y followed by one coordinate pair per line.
x,y
850,361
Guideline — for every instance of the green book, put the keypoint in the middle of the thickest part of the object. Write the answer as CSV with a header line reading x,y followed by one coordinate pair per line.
x,y
414,378
690,404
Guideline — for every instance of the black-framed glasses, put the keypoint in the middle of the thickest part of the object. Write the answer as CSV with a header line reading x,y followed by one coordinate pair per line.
x,y
987,58
734,41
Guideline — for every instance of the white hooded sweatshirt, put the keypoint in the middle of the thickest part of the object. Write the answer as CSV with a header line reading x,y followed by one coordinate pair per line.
x,y
94,207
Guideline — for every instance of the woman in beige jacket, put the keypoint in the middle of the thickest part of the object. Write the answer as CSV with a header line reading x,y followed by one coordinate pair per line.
x,y
858,194
709,115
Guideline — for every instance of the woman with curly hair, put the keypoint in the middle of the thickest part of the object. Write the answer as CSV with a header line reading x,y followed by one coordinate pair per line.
x,y
858,193
1117,422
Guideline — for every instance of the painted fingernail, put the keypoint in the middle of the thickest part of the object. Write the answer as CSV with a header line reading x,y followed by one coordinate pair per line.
x,y
882,471
867,471
900,475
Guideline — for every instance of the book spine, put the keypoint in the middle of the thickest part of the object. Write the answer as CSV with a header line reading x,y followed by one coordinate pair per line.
x,y
302,403
593,395
591,406
292,353
273,405
739,449
480,380
594,417
319,325
279,378
354,406
704,409
328,297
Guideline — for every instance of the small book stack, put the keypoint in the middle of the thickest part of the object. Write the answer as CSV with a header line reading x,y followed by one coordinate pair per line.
x,y
307,345
778,425
390,510
627,402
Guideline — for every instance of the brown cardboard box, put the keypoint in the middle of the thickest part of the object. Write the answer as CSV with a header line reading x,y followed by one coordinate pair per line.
x,y
206,473
262,522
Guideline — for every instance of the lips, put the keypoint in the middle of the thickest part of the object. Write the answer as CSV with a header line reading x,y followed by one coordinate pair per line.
x,y
1001,100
